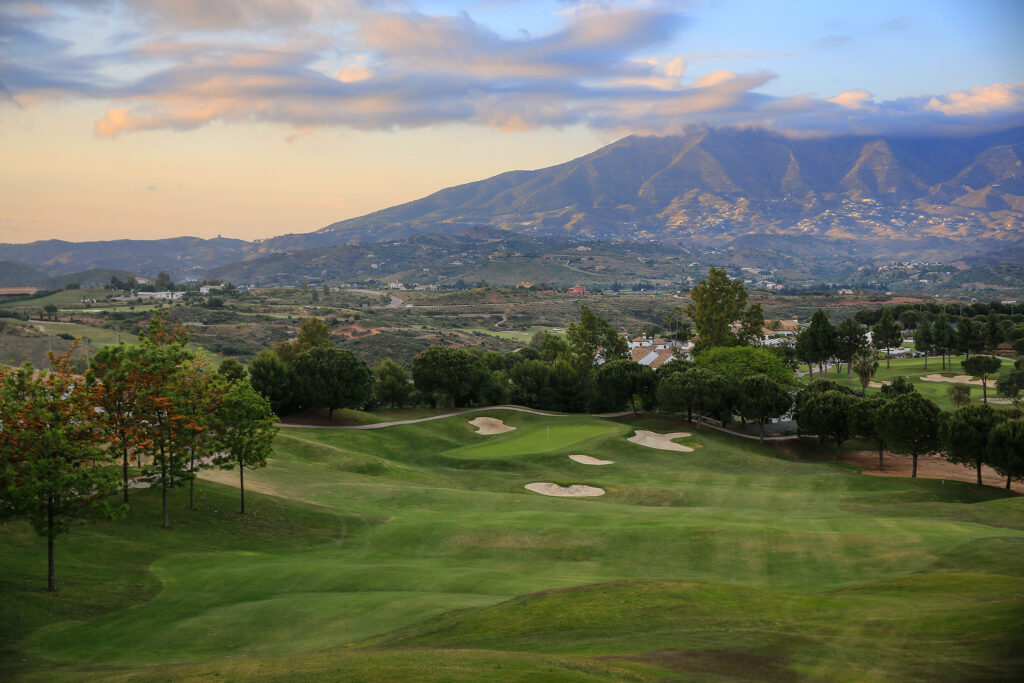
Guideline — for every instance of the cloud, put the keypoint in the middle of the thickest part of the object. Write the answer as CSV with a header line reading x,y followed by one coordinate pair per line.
x,y
385,69
833,42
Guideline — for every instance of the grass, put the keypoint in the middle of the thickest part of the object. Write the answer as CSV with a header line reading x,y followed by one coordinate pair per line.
x,y
413,552
914,368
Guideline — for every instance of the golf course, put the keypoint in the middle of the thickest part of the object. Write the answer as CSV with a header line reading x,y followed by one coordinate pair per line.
x,y
414,551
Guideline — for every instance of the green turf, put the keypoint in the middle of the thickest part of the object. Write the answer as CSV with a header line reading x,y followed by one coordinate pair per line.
x,y
415,552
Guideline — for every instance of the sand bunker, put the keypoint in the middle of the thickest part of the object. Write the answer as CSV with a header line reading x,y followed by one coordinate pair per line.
x,y
546,488
490,425
959,379
587,460
662,441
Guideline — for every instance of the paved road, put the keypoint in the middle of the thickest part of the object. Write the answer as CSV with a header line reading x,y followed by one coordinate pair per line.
x,y
394,303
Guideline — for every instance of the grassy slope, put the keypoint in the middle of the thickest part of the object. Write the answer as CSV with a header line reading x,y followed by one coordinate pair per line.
x,y
733,553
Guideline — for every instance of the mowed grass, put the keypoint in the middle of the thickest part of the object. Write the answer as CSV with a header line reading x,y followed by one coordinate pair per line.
x,y
414,552
914,368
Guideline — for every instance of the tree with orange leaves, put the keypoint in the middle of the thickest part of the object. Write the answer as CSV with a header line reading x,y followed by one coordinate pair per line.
x,y
53,467
118,382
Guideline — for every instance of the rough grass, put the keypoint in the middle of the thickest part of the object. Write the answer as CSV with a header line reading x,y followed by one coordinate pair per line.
x,y
413,552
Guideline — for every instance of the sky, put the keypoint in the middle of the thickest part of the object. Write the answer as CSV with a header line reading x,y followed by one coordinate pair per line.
x,y
146,119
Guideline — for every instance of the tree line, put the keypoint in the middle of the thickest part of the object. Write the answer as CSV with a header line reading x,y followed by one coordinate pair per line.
x,y
150,414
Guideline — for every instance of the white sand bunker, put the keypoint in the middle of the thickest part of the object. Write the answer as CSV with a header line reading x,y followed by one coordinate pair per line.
x,y
959,379
587,460
490,425
662,441
546,488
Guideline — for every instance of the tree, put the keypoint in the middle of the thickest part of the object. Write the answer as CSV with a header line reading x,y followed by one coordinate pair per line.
x,y
909,319
332,378
117,383
676,324
313,333
821,339
942,336
51,310
624,378
982,367
231,370
886,334
674,394
911,426
761,398
717,301
964,434
736,362
968,337
827,414
245,432
1012,383
272,377
993,331
452,374
866,421
52,463
593,334
707,388
199,396
959,394
751,331
392,386
924,337
1006,449
865,364
163,282
899,385
850,338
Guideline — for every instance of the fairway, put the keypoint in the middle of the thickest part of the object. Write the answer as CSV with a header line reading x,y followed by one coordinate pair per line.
x,y
414,551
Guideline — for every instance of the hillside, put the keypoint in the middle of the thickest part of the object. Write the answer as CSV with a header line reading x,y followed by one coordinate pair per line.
x,y
713,186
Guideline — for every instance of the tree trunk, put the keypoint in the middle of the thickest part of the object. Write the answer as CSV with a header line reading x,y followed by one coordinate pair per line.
x,y
330,414
163,484
984,390
888,357
51,574
1007,482
124,469
632,402
881,451
913,471
977,463
839,449
241,482
761,423
810,369
926,361
192,480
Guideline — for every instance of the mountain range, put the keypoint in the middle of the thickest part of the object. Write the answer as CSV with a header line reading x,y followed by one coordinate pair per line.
x,y
877,198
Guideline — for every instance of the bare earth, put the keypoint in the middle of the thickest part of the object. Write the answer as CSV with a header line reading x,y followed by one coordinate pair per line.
x,y
546,488
928,467
587,460
959,379
661,441
490,425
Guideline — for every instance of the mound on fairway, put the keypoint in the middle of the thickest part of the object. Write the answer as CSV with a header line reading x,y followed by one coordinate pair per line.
x,y
490,425
959,379
664,442
587,460
546,488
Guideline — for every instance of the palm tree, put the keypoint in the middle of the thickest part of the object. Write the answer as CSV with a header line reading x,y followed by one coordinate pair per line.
x,y
865,364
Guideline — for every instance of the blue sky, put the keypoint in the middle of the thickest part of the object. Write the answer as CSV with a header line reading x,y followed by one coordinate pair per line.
x,y
171,116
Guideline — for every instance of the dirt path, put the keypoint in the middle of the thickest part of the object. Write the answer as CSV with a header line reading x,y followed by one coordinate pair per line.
x,y
928,467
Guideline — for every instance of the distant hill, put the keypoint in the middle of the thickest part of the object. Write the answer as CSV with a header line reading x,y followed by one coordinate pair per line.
x,y
178,256
714,186
825,200
18,275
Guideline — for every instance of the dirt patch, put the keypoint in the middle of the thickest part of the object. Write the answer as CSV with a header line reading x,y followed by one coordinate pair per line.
x,y
490,425
587,460
959,379
928,467
546,488
661,441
